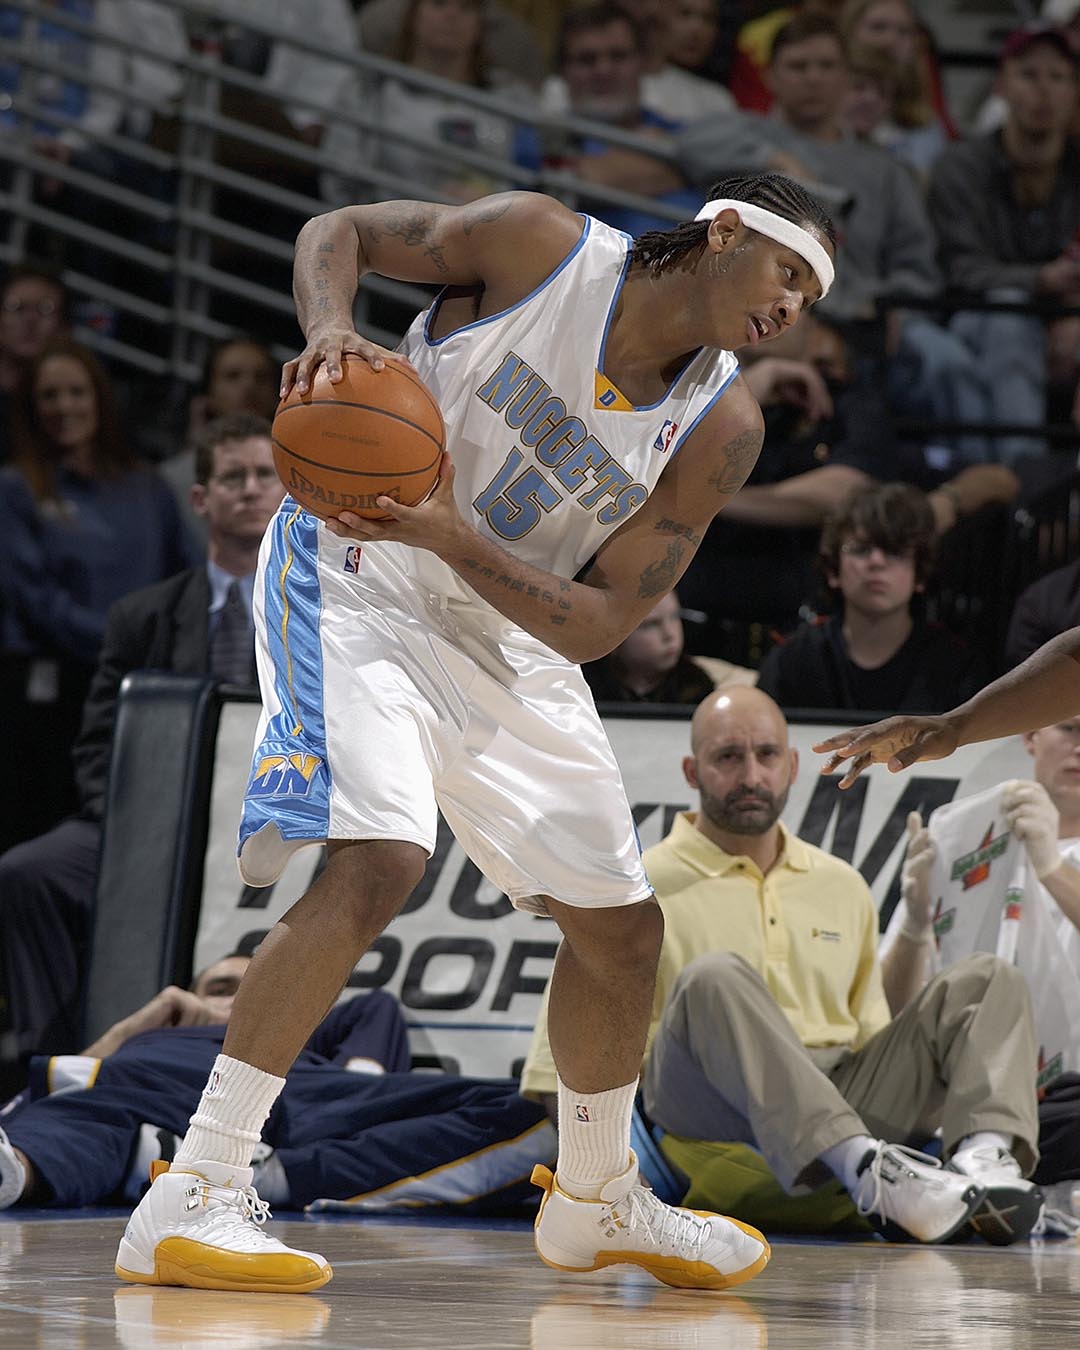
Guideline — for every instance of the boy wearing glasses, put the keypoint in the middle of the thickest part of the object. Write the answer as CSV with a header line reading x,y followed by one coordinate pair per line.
x,y
876,651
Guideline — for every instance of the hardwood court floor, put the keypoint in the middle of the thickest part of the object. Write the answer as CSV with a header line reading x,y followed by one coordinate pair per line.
x,y
409,1286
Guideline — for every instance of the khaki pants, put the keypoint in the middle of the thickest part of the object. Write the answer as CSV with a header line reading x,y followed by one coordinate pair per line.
x,y
727,1065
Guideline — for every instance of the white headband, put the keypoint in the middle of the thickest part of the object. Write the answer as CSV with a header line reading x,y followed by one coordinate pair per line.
x,y
785,232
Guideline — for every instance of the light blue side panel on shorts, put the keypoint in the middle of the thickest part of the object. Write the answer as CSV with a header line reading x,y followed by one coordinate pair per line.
x,y
290,778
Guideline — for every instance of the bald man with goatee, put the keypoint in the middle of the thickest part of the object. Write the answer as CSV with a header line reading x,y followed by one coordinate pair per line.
x,y
770,1027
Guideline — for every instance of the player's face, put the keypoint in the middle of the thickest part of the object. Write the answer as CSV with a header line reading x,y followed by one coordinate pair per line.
x,y
1055,753
745,769
217,985
66,403
244,490
759,288
243,380
872,580
30,314
655,645
808,80
1040,87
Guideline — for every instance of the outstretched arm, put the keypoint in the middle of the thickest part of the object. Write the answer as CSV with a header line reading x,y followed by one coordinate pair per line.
x,y
1045,689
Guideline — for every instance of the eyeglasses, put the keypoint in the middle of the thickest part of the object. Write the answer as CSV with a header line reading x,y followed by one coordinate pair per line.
x,y
43,307
616,55
236,479
861,550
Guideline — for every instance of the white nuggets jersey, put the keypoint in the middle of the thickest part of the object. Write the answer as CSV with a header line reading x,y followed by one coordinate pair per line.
x,y
391,690
550,457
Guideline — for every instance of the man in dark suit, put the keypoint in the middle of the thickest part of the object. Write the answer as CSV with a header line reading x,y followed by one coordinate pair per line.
x,y
197,622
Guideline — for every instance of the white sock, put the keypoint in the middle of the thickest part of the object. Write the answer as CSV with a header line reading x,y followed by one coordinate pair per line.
x,y
984,1139
594,1138
228,1121
843,1159
270,1180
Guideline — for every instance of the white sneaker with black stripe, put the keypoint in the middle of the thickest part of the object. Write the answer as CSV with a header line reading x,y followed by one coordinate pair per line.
x,y
901,1189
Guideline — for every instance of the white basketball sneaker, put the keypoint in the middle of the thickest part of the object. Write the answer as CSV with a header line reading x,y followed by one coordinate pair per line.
x,y
901,1188
1011,1206
203,1228
690,1249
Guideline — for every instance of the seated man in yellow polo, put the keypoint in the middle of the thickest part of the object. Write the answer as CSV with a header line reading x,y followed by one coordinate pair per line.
x,y
771,1028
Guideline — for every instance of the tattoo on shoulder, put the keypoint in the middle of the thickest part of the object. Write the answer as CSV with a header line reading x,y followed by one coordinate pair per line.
x,y
484,215
738,458
677,527
659,577
412,225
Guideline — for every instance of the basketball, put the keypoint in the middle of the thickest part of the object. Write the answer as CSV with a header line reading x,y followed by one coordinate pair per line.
x,y
373,434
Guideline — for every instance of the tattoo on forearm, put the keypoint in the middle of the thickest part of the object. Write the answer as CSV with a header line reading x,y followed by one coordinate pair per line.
x,y
677,527
739,457
485,215
559,605
659,577
413,228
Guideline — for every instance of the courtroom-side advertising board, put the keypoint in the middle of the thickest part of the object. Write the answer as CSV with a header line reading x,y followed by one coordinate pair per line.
x,y
468,968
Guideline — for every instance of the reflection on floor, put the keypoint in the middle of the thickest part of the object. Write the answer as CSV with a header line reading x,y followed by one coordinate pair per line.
x,y
413,1285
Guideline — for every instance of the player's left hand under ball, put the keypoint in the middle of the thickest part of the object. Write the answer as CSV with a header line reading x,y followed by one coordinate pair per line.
x,y
435,523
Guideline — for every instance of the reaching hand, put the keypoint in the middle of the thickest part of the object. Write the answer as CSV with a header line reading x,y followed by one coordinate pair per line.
x,y
915,879
898,742
1034,819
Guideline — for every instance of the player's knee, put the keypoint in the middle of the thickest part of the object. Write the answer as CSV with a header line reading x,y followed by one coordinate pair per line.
x,y
378,874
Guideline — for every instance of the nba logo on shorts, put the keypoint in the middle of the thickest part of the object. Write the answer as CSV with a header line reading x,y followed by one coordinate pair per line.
x,y
352,558
666,436
582,1113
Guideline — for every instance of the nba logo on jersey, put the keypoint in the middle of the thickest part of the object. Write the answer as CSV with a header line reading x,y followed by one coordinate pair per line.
x,y
666,436
582,1113
352,558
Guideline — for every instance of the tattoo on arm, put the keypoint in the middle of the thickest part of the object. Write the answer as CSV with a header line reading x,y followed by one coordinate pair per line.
x,y
739,457
559,606
485,215
677,527
413,228
659,577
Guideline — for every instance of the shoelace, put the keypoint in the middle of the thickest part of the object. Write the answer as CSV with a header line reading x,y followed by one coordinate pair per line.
x,y
872,1204
245,1200
679,1228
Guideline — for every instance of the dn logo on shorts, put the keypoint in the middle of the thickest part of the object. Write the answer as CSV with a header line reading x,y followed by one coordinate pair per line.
x,y
283,775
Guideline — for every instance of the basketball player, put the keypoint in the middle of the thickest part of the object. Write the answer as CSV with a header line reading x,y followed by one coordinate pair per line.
x,y
594,411
1043,690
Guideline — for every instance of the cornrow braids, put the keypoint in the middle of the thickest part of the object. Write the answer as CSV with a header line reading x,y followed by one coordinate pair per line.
x,y
668,250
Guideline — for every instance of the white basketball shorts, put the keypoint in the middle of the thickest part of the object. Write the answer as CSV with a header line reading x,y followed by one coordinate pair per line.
x,y
385,699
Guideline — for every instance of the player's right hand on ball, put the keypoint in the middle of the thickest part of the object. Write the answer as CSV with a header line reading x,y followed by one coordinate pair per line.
x,y
327,349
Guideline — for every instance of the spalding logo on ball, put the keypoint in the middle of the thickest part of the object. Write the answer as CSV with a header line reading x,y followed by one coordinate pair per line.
x,y
376,433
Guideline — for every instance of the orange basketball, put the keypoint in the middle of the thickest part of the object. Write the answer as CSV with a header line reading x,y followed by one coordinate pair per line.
x,y
376,433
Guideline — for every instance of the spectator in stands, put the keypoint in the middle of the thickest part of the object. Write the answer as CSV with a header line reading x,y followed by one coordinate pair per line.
x,y
1046,608
825,436
513,45
887,246
667,91
693,34
239,376
601,60
35,307
869,112
81,524
910,128
444,38
47,883
877,651
352,1120
1006,207
651,665
753,50
770,1025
